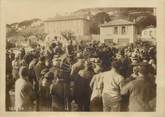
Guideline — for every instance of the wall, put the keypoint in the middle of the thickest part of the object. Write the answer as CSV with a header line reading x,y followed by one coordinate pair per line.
x,y
78,27
149,33
108,33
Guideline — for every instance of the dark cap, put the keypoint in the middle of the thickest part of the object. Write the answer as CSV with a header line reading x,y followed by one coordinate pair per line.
x,y
24,71
116,64
42,58
144,68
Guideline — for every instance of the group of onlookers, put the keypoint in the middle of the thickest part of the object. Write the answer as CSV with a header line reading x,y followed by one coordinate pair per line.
x,y
82,77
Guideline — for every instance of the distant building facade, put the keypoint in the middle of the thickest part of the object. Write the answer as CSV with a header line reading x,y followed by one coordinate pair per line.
x,y
118,31
149,33
78,25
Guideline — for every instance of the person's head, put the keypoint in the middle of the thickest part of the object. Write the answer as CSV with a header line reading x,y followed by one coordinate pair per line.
x,y
22,50
56,63
97,68
70,42
134,61
17,56
144,69
32,63
49,76
86,65
53,45
118,56
136,69
55,37
23,72
42,59
48,63
115,66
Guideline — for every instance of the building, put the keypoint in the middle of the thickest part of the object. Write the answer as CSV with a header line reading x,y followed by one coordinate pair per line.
x,y
118,31
149,33
78,25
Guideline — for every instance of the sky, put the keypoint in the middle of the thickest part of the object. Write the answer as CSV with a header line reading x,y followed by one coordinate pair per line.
x,y
19,10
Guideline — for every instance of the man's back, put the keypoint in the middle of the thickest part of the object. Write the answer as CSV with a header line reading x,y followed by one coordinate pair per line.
x,y
141,92
112,83
23,93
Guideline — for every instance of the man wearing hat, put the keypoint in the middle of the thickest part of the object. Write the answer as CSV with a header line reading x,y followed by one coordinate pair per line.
x,y
77,66
141,91
44,92
39,67
57,94
134,71
82,89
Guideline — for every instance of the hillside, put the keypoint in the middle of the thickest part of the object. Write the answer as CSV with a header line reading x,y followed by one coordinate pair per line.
x,y
36,26
113,10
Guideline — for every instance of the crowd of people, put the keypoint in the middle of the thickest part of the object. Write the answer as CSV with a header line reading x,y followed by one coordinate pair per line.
x,y
82,77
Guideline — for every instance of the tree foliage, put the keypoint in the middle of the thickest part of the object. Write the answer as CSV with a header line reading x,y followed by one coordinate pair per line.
x,y
68,35
98,19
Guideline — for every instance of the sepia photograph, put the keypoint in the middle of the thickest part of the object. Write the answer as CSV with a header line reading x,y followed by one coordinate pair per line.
x,y
79,57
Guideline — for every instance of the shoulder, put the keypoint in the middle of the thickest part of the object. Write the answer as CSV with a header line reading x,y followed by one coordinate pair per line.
x,y
20,80
132,83
106,73
95,76
20,83
118,76
74,66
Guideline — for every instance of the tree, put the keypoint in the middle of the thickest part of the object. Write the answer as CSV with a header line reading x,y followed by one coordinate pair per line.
x,y
11,32
68,35
26,33
101,17
39,34
98,19
9,45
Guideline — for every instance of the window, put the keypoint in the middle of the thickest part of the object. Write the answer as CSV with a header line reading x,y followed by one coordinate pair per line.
x,y
115,30
150,33
123,30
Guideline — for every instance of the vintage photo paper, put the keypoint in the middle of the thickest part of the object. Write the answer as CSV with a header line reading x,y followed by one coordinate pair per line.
x,y
73,56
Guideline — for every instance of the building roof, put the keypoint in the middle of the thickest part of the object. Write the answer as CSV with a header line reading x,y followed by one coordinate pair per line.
x,y
117,22
149,27
64,18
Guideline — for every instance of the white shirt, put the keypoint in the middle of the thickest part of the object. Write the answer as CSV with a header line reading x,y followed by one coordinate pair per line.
x,y
23,95
96,85
112,82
